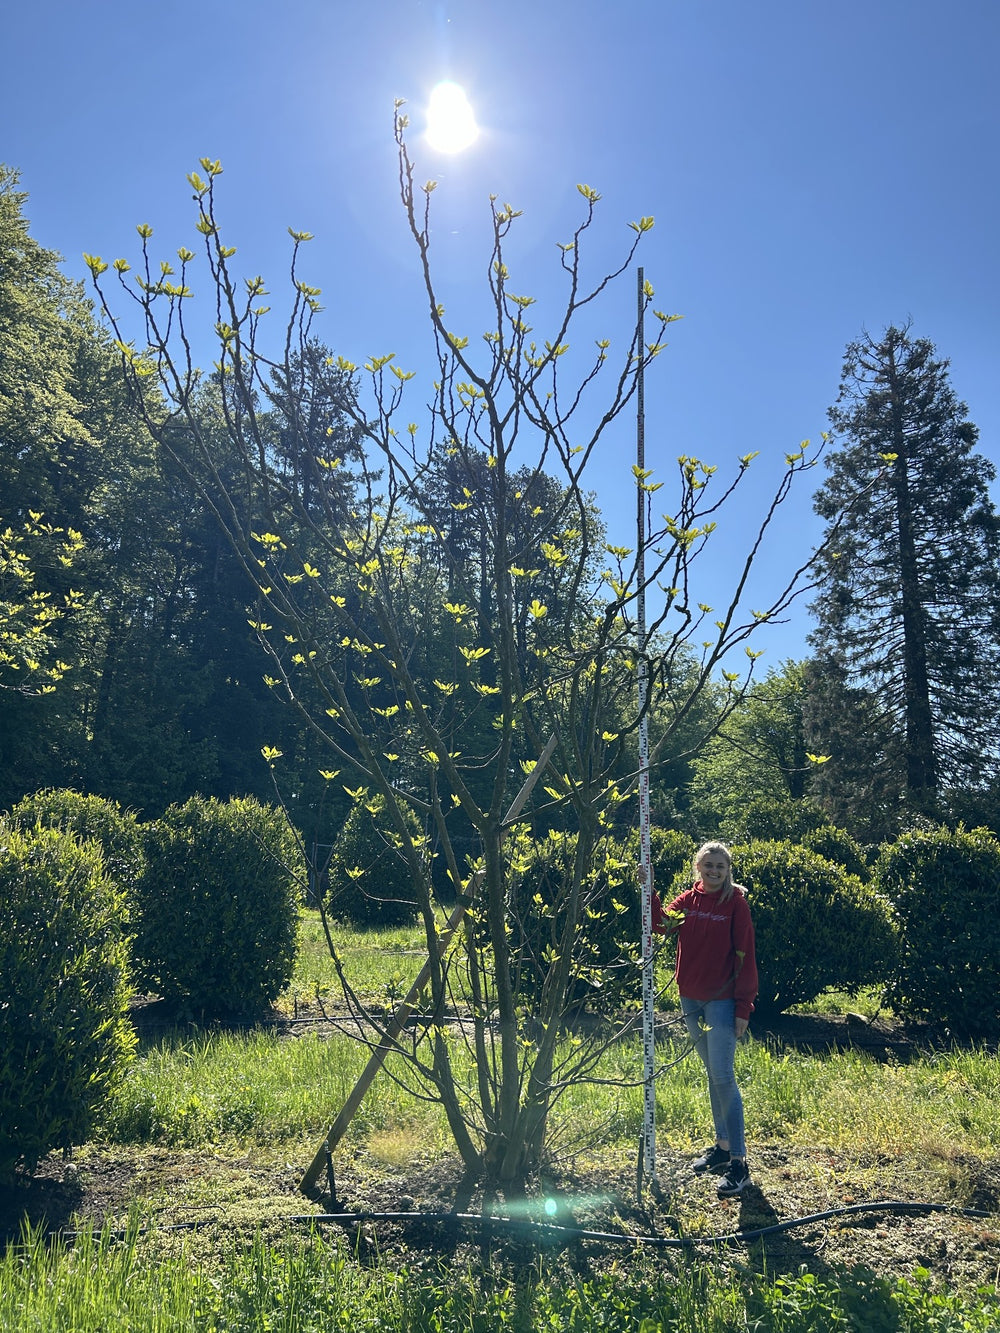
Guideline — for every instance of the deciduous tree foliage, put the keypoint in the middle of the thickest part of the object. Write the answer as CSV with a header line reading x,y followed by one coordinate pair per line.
x,y
116,583
536,610
41,427
760,751
909,601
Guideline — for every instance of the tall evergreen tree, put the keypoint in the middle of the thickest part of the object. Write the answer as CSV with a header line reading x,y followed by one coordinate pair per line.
x,y
44,440
862,785
314,441
909,602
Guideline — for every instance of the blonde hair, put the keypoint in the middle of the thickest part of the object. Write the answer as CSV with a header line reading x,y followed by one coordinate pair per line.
x,y
716,849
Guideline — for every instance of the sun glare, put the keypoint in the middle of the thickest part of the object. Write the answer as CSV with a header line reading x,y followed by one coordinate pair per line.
x,y
451,124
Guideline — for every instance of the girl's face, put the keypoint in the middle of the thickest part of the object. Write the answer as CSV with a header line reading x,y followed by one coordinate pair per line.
x,y
714,871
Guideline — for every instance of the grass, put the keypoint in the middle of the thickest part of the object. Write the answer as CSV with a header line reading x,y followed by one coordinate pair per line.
x,y
307,1284
219,1126
851,1099
845,1098
381,964
184,1091
867,1001
252,1088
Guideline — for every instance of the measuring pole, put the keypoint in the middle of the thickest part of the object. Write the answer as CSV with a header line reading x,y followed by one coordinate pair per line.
x,y
645,851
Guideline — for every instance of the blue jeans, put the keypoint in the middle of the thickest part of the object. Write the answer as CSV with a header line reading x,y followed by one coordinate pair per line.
x,y
711,1025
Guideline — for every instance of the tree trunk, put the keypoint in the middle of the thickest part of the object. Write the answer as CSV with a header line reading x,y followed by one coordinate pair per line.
x,y
921,769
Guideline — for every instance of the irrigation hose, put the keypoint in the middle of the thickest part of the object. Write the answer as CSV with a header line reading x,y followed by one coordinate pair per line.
x,y
488,1221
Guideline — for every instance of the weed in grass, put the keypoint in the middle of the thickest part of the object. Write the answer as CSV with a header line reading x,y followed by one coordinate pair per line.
x,y
398,1146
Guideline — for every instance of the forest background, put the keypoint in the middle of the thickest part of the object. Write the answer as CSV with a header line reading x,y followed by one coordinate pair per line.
x,y
122,587
760,225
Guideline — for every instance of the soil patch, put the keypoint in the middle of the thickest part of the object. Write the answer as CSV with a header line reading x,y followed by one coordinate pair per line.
x,y
236,1196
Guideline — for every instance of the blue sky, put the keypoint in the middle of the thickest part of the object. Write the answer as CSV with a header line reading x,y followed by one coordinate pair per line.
x,y
814,168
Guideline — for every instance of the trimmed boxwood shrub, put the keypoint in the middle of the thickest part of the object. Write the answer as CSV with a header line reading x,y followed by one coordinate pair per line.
x,y
945,888
836,844
673,860
65,1035
770,817
607,943
369,879
673,853
817,927
218,906
116,831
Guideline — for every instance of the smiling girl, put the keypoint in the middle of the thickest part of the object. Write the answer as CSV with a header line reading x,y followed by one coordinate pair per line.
x,y
716,976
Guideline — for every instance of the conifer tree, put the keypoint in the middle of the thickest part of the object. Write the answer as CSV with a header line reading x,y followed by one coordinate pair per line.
x,y
909,607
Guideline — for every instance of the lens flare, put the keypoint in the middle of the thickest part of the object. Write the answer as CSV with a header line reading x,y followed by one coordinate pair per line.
x,y
451,123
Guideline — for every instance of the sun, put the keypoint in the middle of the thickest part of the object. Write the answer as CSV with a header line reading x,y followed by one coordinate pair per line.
x,y
451,123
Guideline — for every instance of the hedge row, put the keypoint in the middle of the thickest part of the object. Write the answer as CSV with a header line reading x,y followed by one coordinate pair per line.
x,y
922,922
201,907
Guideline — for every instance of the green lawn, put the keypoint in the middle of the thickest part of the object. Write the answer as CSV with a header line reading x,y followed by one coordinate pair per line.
x,y
216,1128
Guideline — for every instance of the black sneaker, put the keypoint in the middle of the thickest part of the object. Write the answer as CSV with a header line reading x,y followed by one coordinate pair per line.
x,y
735,1179
714,1159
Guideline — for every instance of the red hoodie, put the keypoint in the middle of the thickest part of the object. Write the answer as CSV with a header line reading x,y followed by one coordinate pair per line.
x,y
715,946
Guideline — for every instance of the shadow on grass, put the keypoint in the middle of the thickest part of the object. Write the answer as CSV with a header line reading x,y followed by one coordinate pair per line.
x,y
863,1295
37,1202
783,1252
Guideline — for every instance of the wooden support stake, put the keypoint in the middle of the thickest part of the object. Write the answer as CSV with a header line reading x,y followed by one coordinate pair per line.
x,y
390,1035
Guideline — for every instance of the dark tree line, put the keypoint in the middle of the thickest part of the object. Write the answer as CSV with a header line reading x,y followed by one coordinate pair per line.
x,y
164,696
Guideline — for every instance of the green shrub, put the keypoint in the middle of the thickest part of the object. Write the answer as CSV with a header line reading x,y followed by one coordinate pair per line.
x,y
770,817
817,927
369,878
117,831
945,887
837,845
65,1036
607,940
672,854
218,906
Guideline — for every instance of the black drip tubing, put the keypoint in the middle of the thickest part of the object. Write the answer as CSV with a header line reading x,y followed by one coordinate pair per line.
x,y
524,1226
487,1221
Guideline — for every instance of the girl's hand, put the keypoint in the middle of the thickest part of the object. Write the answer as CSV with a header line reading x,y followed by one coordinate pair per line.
x,y
741,1026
